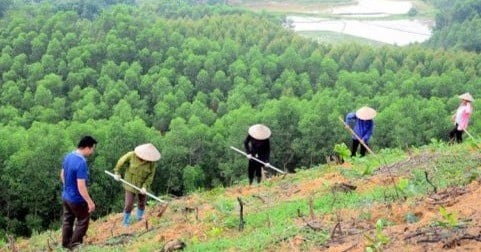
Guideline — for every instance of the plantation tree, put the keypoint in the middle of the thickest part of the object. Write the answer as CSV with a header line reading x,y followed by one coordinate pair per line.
x,y
291,60
231,130
314,65
88,106
203,82
132,76
10,94
320,127
397,125
363,59
174,158
41,170
193,177
329,72
221,81
35,72
282,117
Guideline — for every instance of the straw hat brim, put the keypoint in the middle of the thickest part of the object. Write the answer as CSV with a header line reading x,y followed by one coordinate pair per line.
x,y
259,131
366,113
466,97
147,152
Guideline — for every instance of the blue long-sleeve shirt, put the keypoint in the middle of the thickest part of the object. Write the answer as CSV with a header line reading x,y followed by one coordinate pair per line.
x,y
363,128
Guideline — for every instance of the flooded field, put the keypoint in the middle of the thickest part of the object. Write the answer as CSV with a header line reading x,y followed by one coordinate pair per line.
x,y
353,22
395,32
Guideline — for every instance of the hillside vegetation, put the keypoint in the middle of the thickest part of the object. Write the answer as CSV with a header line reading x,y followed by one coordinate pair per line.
x,y
457,25
191,78
425,199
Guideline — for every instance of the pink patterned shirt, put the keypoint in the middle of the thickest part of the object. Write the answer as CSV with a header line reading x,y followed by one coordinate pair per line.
x,y
462,115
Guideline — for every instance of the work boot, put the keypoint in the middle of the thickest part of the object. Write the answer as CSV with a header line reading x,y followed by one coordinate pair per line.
x,y
140,214
126,220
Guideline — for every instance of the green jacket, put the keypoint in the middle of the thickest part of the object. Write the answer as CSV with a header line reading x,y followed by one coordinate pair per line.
x,y
139,172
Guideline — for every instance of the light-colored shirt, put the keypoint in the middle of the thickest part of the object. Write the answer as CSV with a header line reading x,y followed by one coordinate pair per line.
x,y
462,115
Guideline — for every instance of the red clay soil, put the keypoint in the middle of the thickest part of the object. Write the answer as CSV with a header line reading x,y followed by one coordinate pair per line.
x,y
183,218
422,235
403,236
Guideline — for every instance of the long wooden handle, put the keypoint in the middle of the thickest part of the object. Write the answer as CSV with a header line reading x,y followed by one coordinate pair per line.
x,y
469,134
259,161
135,187
358,138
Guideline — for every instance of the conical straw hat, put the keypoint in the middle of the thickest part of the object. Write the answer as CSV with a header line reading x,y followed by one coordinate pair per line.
x,y
466,97
259,131
366,113
147,152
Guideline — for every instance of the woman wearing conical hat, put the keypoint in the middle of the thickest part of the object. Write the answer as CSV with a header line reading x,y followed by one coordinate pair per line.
x,y
139,172
257,145
461,117
363,127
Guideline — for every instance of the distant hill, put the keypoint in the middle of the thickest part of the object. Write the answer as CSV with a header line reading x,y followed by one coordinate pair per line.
x,y
458,25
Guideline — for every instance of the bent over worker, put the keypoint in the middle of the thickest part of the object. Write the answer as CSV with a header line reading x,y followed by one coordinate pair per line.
x,y
257,145
140,173
363,127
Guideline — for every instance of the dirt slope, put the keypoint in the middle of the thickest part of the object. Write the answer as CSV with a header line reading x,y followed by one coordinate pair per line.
x,y
415,224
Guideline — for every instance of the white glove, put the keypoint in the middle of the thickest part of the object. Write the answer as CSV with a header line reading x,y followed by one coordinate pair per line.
x,y
143,190
249,156
268,165
117,177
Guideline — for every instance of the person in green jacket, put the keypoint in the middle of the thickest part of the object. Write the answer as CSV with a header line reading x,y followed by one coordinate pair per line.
x,y
140,172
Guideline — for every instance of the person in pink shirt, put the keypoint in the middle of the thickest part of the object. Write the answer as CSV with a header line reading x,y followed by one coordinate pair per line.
x,y
461,118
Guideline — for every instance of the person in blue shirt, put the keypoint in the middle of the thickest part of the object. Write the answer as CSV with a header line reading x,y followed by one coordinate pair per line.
x,y
77,203
363,127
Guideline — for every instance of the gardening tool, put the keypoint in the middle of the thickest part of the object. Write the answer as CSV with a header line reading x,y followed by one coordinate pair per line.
x,y
136,188
259,161
357,137
469,134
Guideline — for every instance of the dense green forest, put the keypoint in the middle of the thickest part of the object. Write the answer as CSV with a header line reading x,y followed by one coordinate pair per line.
x,y
191,79
458,25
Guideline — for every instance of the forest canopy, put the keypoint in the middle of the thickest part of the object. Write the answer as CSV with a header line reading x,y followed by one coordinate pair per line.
x,y
458,25
191,79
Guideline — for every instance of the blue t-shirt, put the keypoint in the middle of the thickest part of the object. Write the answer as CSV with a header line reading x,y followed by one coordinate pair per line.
x,y
74,167
363,128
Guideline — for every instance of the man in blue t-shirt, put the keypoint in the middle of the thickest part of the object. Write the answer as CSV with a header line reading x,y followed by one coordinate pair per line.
x,y
77,203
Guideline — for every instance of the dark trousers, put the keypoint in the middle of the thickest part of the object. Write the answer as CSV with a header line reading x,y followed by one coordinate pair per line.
x,y
255,169
355,144
455,133
129,201
71,211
